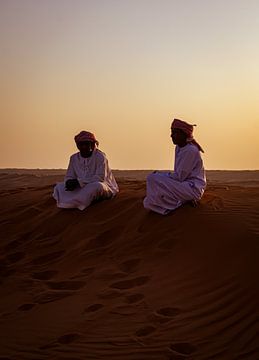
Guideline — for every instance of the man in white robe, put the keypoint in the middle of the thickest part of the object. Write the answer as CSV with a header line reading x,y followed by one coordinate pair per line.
x,y
88,176
167,191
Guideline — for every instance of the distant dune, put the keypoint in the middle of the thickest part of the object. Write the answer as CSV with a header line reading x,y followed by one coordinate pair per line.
x,y
118,282
212,175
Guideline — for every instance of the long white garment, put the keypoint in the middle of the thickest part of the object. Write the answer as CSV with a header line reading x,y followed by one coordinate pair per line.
x,y
95,178
167,191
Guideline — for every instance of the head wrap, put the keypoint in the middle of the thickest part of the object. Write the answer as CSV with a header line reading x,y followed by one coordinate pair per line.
x,y
187,129
86,136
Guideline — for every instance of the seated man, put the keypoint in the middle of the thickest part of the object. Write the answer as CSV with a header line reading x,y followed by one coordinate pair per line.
x,y
88,176
167,191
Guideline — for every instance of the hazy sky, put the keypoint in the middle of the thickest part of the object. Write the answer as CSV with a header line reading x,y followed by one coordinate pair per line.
x,y
124,69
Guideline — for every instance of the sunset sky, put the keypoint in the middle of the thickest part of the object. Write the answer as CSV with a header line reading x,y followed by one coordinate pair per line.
x,y
124,69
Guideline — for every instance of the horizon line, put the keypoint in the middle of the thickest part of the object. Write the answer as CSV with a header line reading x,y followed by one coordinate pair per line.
x,y
64,169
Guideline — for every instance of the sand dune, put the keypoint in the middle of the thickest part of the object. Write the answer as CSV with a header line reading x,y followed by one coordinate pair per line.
x,y
118,282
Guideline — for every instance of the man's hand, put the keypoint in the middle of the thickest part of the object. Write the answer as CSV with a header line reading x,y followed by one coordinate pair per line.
x,y
71,184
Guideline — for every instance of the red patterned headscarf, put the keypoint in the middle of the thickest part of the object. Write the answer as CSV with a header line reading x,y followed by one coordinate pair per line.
x,y
187,129
86,136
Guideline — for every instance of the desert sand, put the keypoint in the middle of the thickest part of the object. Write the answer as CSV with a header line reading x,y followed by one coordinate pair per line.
x,y
118,282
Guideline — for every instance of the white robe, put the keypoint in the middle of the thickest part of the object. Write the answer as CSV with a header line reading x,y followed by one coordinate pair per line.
x,y
95,178
166,191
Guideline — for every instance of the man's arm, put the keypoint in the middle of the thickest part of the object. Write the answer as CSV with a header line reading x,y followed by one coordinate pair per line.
x,y
71,182
185,166
70,174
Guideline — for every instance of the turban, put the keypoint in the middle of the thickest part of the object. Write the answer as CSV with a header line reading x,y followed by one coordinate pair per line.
x,y
184,126
85,136
187,129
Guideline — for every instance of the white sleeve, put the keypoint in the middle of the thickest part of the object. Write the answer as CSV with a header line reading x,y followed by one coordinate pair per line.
x,y
70,174
101,170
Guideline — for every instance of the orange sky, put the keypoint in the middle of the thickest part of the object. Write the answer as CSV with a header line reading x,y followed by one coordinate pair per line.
x,y
123,69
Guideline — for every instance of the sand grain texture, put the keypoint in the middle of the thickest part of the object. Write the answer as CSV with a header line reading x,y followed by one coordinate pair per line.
x,y
118,282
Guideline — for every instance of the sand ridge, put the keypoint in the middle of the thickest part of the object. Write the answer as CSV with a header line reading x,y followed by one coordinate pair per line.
x,y
118,282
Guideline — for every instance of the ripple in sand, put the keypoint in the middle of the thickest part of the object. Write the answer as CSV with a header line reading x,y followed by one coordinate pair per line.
x,y
177,357
45,259
94,307
13,245
5,271
48,346
129,284
167,244
168,311
88,271
145,331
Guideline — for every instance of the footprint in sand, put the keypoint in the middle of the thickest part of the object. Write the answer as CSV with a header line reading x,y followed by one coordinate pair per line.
x,y
23,239
100,241
93,308
68,338
66,285
64,340
109,294
6,315
48,258
5,271
83,273
124,310
164,315
13,245
51,296
128,284
129,265
44,275
168,311
131,299
183,348
145,331
108,274
26,307
15,257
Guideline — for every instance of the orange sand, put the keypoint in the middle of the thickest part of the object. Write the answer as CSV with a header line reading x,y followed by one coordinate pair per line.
x,y
117,282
